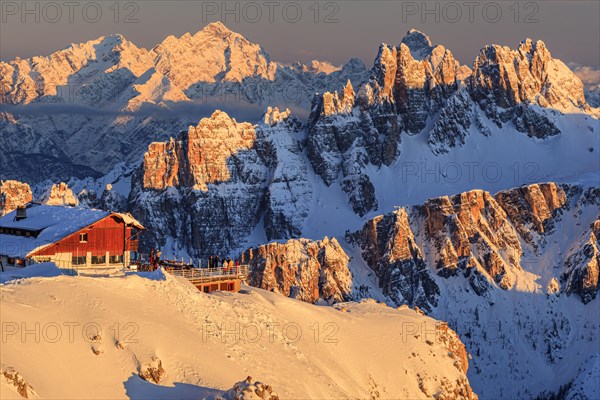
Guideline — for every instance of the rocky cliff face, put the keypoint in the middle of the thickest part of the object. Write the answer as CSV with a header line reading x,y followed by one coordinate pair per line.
x,y
526,75
145,95
301,269
582,265
408,84
425,77
390,249
12,195
531,210
418,87
514,84
218,178
520,266
477,236
199,156
112,200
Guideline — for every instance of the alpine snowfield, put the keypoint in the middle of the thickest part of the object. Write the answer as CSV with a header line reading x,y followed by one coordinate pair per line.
x,y
80,338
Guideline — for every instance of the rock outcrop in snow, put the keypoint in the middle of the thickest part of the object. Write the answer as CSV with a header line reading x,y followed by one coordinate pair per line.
x,y
526,75
413,87
390,249
59,195
301,269
249,390
15,381
583,264
531,209
199,156
12,195
417,87
111,200
152,371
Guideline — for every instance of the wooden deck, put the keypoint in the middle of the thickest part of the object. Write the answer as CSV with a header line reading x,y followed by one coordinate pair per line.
x,y
205,275
205,279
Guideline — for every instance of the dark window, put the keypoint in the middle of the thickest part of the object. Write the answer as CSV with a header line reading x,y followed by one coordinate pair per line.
x,y
83,238
116,259
78,260
98,259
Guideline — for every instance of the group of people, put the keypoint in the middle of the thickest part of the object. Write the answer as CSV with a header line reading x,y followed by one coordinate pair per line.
x,y
213,261
216,262
155,257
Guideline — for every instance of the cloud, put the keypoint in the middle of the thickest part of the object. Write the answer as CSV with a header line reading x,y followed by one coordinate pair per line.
x,y
172,111
590,76
189,110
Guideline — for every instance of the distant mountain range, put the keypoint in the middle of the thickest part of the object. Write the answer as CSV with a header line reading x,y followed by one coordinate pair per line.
x,y
82,110
98,103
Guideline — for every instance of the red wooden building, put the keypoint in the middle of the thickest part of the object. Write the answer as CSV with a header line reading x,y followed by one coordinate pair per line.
x,y
71,237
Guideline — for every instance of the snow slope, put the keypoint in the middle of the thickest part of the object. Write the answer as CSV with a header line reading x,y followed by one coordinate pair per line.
x,y
364,350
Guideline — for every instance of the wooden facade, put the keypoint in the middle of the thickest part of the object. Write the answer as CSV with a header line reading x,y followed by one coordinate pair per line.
x,y
107,243
108,235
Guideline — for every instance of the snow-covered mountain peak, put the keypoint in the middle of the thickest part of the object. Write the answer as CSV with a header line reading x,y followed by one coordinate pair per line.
x,y
325,67
419,44
217,28
213,54
527,75
63,73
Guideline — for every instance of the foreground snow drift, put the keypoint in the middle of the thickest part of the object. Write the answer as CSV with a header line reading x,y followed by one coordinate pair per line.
x,y
83,337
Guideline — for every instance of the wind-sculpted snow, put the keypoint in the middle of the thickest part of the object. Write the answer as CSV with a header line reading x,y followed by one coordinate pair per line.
x,y
198,345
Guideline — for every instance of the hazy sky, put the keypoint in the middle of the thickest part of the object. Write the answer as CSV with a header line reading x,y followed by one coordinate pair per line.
x,y
295,30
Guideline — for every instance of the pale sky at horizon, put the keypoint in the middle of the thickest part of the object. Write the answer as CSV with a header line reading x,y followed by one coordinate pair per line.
x,y
571,29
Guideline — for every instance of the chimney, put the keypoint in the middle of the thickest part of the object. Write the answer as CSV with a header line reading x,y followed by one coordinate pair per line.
x,y
21,213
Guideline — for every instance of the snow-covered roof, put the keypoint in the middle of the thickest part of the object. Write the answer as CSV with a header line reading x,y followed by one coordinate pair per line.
x,y
53,223
129,220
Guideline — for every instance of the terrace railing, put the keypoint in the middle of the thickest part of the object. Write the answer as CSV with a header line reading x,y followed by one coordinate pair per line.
x,y
201,275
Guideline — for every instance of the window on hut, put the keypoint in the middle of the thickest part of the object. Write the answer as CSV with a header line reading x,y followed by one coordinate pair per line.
x,y
98,259
78,260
